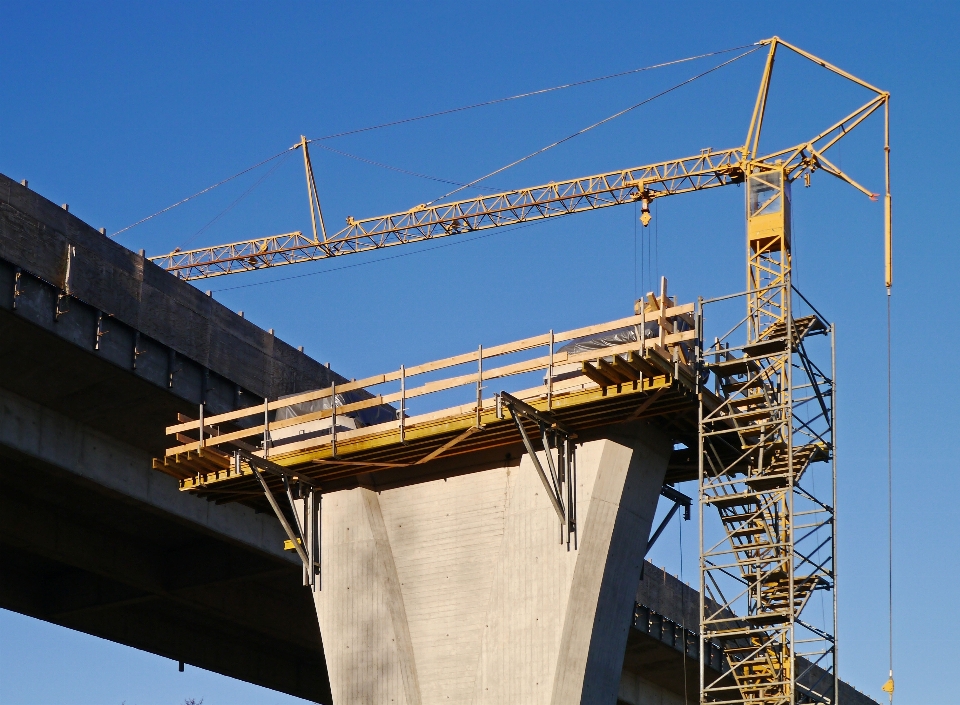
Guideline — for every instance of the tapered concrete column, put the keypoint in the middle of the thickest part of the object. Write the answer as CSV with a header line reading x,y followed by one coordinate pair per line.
x,y
458,590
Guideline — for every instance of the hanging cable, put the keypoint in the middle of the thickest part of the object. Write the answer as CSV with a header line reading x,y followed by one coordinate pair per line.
x,y
527,95
403,171
430,115
888,686
200,193
593,126
238,199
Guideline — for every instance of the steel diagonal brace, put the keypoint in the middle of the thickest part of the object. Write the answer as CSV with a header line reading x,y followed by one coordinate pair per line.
x,y
294,539
301,541
679,500
520,410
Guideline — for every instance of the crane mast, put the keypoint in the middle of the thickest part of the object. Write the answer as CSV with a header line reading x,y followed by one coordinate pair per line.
x,y
769,423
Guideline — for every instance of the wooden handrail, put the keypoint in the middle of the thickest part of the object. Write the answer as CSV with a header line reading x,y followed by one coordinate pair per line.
x,y
438,385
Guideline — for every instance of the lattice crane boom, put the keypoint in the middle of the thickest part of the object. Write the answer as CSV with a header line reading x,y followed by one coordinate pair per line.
x,y
709,169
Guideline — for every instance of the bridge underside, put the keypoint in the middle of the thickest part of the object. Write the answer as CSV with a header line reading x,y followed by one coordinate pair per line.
x,y
94,540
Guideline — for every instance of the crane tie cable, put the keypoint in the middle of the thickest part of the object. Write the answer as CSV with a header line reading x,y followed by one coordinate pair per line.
x,y
423,117
594,125
200,193
396,168
529,94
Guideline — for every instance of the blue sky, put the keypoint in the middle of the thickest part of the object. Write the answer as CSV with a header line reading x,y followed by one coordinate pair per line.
x,y
121,109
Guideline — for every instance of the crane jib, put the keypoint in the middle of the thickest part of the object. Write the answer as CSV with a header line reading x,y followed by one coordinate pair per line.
x,y
709,169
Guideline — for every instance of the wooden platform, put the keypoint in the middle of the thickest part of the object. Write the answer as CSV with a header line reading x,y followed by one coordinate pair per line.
x,y
647,378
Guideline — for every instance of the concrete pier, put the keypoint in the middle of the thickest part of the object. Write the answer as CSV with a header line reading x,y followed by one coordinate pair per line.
x,y
459,590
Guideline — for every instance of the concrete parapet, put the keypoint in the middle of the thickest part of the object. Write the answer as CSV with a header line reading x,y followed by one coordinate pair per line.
x,y
458,589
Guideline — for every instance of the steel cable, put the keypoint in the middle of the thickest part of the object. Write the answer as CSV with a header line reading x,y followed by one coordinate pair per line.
x,y
594,125
424,117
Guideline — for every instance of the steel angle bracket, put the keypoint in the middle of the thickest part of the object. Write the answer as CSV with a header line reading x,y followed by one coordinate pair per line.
x,y
304,533
679,499
559,478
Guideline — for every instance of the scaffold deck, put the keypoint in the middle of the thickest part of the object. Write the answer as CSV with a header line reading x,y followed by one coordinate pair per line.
x,y
647,378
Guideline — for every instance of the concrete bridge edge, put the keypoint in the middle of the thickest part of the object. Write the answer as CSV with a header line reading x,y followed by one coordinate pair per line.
x,y
621,511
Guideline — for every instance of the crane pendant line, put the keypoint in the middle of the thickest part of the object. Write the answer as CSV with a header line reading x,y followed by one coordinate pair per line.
x,y
709,169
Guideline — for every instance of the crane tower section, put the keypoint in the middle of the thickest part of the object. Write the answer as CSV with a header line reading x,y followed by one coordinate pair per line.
x,y
766,448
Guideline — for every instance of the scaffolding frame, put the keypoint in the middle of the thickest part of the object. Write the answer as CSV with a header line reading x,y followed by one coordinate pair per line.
x,y
770,430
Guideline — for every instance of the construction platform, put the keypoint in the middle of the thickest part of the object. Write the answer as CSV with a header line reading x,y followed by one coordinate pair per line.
x,y
635,368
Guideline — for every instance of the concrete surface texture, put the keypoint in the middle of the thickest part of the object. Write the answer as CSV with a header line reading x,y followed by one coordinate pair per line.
x,y
99,350
458,590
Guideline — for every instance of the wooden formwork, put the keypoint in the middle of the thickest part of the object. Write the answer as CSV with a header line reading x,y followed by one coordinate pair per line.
x,y
649,377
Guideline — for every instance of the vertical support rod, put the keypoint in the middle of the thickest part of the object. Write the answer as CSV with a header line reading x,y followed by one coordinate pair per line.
x,y
266,427
96,344
136,348
550,376
787,401
643,331
887,199
700,498
479,383
833,503
310,524
317,519
333,418
568,463
16,286
662,319
573,481
201,428
403,403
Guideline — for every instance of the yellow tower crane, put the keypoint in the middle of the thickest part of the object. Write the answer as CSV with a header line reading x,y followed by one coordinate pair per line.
x,y
755,445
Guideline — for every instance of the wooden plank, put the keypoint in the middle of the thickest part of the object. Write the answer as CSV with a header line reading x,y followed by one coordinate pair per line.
x,y
596,375
360,463
647,404
448,445
625,370
610,372
187,424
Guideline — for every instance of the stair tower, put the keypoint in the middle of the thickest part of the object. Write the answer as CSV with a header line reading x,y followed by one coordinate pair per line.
x,y
770,432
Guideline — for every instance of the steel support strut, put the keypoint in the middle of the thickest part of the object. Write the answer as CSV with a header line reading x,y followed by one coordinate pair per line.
x,y
560,477
303,532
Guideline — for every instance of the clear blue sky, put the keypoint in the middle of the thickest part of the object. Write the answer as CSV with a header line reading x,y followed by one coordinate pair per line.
x,y
120,109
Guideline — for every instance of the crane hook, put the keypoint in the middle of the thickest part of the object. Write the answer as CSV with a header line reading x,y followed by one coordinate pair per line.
x,y
645,216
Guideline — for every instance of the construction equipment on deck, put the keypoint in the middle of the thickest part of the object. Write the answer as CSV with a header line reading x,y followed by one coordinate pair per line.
x,y
758,434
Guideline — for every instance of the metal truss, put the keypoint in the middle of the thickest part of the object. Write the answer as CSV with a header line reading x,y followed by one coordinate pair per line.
x,y
428,221
560,477
303,498
765,449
